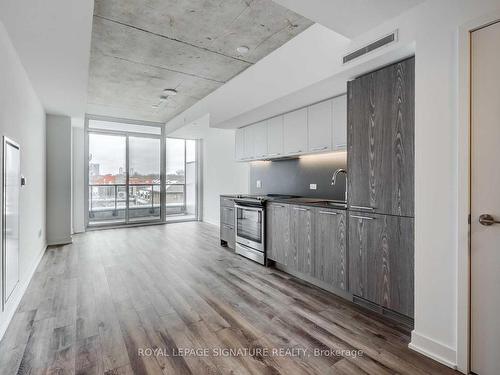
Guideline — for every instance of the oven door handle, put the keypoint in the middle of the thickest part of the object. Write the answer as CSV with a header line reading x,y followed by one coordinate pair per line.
x,y
261,209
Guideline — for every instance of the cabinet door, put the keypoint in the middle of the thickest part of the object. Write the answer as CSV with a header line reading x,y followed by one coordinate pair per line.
x,y
249,142
260,140
381,140
339,123
320,126
275,136
381,260
295,132
278,219
330,255
239,144
301,239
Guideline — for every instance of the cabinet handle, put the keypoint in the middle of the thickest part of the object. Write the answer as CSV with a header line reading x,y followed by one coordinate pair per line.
x,y
278,205
362,207
294,152
300,209
363,217
328,213
341,145
229,208
274,154
227,226
319,148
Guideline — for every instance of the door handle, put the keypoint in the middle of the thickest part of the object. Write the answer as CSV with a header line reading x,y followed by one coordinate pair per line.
x,y
487,220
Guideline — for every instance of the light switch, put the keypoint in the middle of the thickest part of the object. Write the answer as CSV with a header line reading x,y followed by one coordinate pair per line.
x,y
258,184
313,186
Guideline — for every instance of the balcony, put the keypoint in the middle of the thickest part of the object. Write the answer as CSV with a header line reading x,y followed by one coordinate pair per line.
x,y
108,203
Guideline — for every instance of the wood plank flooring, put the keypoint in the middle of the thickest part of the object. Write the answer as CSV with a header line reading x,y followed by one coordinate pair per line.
x,y
168,299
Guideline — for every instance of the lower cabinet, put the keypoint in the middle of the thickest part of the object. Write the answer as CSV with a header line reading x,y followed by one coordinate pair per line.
x,y
330,250
301,239
309,240
278,232
381,260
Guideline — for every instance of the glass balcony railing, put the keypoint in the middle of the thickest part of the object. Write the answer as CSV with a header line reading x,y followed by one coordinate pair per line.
x,y
108,203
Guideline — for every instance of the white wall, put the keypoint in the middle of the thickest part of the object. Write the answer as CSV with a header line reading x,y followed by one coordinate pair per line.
x,y
58,179
78,174
22,118
221,174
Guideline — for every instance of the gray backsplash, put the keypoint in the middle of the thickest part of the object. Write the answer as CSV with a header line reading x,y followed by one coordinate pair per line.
x,y
294,176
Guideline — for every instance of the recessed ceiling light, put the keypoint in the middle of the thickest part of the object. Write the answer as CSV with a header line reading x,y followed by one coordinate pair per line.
x,y
242,50
171,92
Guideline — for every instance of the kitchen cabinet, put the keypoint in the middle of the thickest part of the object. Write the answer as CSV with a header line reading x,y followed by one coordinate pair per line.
x,y
380,157
278,232
330,250
295,132
339,104
381,260
275,136
260,140
320,126
300,249
249,142
227,218
239,144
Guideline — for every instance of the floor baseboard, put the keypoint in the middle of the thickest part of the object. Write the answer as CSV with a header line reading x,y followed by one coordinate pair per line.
x,y
432,349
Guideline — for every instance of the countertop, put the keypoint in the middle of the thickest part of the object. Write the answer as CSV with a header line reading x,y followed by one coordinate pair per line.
x,y
303,201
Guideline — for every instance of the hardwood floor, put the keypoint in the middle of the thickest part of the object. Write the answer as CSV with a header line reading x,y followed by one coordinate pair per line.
x,y
102,304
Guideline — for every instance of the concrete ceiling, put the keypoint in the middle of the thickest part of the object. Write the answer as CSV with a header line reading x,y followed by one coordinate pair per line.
x,y
349,18
141,47
52,39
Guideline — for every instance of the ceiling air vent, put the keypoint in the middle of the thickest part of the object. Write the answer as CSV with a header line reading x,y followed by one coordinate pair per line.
x,y
386,40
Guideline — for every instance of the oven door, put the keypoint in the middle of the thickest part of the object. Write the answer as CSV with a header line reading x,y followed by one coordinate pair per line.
x,y
250,226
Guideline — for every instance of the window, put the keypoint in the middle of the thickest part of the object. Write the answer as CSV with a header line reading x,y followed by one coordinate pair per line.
x,y
125,176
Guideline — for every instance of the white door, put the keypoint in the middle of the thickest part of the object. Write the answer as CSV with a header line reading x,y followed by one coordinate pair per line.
x,y
275,136
485,200
295,132
11,186
320,126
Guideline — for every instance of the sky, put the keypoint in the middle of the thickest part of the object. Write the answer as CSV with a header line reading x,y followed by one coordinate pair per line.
x,y
109,152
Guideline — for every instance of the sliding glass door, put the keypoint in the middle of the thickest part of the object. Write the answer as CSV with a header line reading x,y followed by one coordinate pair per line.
x,y
144,179
107,189
135,175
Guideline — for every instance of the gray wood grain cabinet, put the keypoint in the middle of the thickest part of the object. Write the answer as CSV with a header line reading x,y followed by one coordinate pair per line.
x,y
227,218
277,232
301,245
330,247
380,157
381,260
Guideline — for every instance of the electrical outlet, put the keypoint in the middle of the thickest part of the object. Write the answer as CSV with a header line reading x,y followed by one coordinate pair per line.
x,y
313,186
258,184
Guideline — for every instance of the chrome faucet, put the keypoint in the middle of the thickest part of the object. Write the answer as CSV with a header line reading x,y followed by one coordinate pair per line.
x,y
334,179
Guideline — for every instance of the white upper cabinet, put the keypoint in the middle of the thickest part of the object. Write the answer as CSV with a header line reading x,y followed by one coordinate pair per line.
x,y
320,126
340,123
249,142
260,139
295,132
239,144
275,137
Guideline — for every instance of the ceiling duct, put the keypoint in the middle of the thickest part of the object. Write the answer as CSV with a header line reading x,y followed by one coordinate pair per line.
x,y
384,41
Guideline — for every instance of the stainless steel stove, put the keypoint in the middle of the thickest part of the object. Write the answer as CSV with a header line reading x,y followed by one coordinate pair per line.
x,y
251,226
